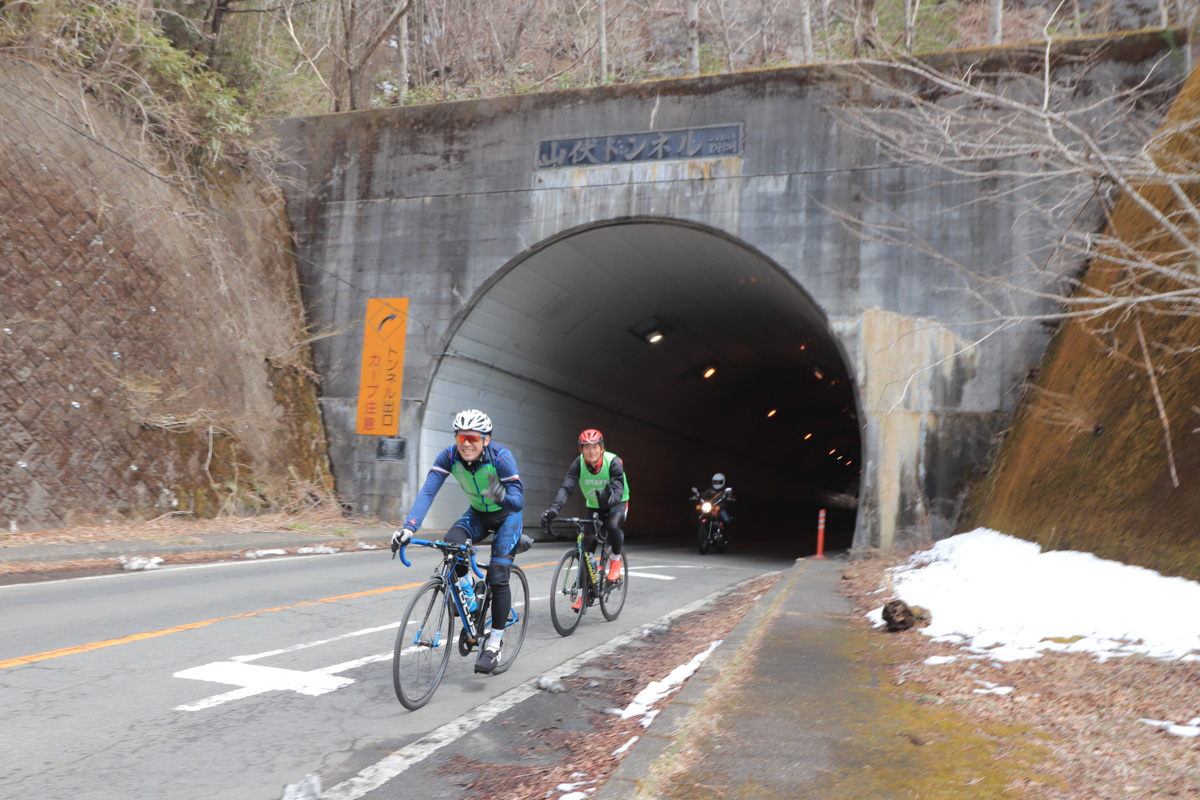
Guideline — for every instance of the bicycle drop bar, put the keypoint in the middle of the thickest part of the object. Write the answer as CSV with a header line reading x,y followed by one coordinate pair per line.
x,y
445,547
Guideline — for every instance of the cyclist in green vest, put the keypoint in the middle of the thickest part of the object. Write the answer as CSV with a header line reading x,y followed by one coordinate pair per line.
x,y
488,474
601,474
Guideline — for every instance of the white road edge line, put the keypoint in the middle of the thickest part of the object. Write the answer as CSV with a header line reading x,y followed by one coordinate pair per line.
x,y
390,766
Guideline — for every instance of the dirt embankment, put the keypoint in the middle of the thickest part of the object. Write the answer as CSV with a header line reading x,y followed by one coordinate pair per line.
x,y
1105,454
149,326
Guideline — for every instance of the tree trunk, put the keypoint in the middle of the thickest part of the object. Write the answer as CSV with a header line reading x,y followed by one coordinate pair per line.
x,y
602,42
866,23
402,67
910,24
806,36
693,37
995,21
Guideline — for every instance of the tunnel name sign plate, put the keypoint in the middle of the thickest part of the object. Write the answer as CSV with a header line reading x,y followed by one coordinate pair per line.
x,y
382,367
713,141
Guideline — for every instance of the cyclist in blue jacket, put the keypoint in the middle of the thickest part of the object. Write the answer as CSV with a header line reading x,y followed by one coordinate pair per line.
x,y
488,474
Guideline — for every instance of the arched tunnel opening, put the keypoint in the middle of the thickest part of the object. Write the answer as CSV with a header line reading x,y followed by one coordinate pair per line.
x,y
616,327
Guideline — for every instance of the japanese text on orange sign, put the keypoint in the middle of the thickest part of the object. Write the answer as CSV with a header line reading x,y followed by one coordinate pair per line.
x,y
382,367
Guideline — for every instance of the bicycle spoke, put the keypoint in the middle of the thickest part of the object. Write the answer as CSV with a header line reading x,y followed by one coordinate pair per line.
x,y
612,593
423,650
518,621
566,590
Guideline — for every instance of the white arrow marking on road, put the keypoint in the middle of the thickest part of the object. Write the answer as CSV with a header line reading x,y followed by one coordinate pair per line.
x,y
256,679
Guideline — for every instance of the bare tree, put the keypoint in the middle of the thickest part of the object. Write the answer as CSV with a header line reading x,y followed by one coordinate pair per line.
x,y
911,7
995,21
602,37
866,25
806,37
1032,140
402,67
692,22
361,35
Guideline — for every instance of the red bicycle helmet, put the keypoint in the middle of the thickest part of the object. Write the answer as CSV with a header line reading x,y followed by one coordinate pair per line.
x,y
591,436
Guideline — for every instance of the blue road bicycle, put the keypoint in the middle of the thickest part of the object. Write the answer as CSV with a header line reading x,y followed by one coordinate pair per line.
x,y
426,633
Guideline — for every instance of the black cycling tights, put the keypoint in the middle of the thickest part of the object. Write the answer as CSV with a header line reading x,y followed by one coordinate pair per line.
x,y
612,526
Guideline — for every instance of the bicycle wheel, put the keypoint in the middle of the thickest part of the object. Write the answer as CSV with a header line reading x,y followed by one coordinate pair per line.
x,y
423,650
565,589
518,620
612,593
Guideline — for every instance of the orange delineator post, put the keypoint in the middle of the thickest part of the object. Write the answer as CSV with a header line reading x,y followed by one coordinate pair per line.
x,y
820,534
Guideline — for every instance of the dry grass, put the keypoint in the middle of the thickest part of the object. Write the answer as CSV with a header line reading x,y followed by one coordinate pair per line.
x,y
318,518
1088,710
174,527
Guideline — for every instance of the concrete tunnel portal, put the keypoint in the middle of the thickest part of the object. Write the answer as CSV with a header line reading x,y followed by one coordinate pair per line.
x,y
560,340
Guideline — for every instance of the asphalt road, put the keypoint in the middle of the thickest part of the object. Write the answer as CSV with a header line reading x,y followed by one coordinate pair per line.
x,y
234,679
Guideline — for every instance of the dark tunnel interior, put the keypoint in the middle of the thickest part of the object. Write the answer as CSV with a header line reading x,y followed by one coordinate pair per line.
x,y
616,327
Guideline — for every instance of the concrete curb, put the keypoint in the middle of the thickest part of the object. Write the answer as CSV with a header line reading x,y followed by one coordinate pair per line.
x,y
665,733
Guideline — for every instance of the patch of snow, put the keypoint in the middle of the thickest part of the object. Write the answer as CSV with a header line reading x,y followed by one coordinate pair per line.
x,y
138,562
263,553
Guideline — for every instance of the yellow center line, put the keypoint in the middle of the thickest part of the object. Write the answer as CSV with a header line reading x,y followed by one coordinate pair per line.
x,y
137,637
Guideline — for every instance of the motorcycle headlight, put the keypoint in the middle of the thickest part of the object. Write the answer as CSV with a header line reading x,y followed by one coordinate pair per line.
x,y
707,507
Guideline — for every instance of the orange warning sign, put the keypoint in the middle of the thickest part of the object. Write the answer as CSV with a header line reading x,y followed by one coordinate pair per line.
x,y
382,367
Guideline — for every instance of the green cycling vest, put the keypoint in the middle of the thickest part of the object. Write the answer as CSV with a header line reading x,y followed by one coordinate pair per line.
x,y
590,484
473,483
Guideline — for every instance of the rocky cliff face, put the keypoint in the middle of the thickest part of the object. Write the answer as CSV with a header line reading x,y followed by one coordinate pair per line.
x,y
150,327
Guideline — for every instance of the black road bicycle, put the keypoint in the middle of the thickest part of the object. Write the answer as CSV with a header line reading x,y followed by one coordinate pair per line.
x,y
426,633
580,579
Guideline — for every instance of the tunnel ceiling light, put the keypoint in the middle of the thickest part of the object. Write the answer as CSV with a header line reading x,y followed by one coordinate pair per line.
x,y
834,450
650,330
708,373
771,413
817,372
807,436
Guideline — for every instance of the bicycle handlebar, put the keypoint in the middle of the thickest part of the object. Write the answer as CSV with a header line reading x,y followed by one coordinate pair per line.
x,y
577,520
445,547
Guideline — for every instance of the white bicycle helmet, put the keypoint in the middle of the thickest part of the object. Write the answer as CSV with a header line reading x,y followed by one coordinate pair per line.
x,y
719,481
472,420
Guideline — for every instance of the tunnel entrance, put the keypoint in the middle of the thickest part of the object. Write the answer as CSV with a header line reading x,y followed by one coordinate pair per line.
x,y
615,326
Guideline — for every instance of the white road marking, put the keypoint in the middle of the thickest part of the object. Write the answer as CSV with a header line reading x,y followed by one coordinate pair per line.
x,y
652,575
296,647
255,679
390,766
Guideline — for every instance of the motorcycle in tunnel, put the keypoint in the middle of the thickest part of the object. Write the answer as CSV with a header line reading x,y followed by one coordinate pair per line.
x,y
712,534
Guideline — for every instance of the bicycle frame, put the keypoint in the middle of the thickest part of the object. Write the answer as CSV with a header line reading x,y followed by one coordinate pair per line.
x,y
575,587
422,652
452,556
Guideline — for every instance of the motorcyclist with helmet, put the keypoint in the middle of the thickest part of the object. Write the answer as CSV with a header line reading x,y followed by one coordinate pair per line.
x,y
601,474
725,513
488,474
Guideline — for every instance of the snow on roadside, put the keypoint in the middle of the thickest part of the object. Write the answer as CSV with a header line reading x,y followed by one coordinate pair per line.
x,y
1003,599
